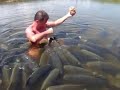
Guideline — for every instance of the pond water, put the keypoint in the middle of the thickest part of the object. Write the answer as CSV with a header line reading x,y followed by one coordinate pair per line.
x,y
94,20
97,21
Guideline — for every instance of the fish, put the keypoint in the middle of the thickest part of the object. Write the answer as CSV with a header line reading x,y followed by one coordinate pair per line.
x,y
6,73
70,41
37,77
12,52
60,35
84,80
9,59
71,58
84,53
116,42
65,55
103,34
74,70
16,79
28,71
27,60
18,34
55,61
90,55
51,78
0,83
2,50
66,87
9,55
104,67
24,79
111,58
25,45
75,50
114,82
89,48
103,51
11,43
44,58
61,55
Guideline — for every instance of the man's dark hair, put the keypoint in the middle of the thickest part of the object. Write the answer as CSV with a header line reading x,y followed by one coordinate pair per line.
x,y
41,15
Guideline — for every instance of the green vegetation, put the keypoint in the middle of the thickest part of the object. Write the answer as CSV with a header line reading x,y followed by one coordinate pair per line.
x,y
9,1
108,1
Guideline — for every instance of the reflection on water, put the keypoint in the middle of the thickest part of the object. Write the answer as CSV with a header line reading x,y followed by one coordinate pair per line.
x,y
90,54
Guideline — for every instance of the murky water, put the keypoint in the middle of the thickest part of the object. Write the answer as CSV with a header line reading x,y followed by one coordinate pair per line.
x,y
96,21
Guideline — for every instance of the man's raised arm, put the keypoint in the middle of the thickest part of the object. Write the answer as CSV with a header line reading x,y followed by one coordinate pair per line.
x,y
59,21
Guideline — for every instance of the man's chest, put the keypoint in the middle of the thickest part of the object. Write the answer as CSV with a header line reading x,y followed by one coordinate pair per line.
x,y
39,30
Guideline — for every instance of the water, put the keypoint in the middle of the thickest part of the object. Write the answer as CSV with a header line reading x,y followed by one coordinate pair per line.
x,y
97,21
94,20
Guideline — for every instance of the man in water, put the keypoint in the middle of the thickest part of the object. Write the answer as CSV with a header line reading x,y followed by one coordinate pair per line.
x,y
40,30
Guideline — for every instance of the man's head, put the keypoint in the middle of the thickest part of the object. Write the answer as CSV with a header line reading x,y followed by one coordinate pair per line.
x,y
41,16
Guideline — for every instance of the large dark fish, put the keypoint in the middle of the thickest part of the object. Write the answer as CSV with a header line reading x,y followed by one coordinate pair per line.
x,y
18,34
51,79
60,35
61,55
85,80
37,77
0,84
90,55
45,57
27,60
25,45
9,59
70,41
75,87
71,59
66,87
69,69
16,80
15,42
12,52
84,55
6,73
6,58
2,50
55,61
103,51
104,67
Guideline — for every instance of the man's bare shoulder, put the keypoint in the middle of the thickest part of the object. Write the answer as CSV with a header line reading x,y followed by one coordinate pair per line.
x,y
28,29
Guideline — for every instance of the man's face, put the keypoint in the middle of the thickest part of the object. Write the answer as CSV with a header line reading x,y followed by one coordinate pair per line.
x,y
41,23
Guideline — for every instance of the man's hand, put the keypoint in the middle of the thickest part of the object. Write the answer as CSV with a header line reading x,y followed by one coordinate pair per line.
x,y
50,31
72,11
